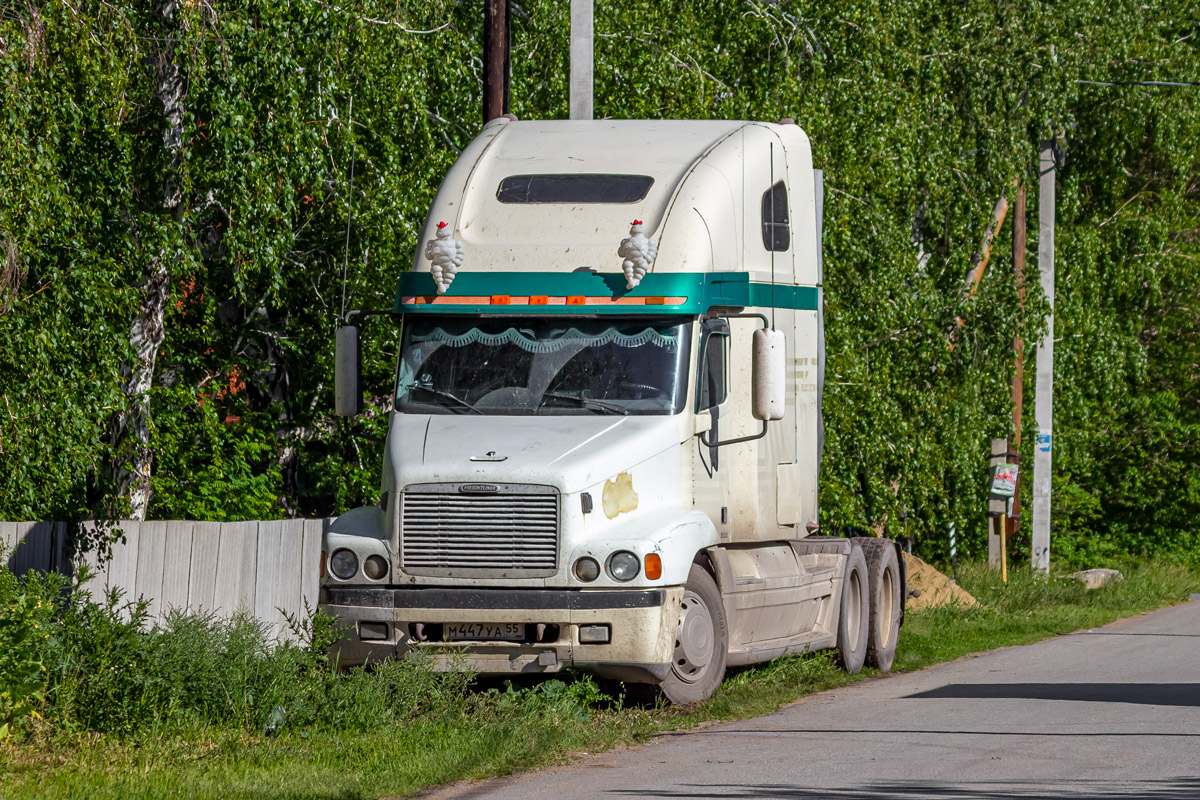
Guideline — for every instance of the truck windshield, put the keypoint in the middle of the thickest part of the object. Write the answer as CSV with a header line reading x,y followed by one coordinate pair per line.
x,y
455,365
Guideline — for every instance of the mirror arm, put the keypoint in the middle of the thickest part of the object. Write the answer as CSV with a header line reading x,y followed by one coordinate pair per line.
x,y
704,438
752,315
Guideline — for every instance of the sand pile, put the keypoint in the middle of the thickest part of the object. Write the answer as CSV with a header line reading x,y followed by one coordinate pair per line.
x,y
936,588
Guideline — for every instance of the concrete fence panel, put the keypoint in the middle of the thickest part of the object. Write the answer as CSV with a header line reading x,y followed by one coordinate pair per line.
x,y
268,568
31,545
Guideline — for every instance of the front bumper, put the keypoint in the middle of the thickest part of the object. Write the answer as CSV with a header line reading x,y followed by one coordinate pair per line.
x,y
642,623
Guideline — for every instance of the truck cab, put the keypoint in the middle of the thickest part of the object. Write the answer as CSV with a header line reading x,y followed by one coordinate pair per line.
x,y
606,431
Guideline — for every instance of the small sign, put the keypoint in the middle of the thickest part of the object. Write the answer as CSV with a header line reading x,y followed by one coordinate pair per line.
x,y
1043,442
1004,479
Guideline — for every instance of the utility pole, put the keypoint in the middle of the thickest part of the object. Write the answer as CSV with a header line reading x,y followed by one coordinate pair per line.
x,y
581,59
496,59
1018,382
1044,392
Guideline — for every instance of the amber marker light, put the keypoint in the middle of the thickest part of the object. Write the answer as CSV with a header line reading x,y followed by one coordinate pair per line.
x,y
539,300
656,301
653,565
500,299
575,300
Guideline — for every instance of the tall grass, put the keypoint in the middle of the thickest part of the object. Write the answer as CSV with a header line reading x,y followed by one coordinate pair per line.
x,y
1030,607
100,666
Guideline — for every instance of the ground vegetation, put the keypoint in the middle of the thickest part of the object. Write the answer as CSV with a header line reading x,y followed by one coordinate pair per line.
x,y
95,702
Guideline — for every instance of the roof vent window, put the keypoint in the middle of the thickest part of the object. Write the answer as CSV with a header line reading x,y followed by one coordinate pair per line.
x,y
574,188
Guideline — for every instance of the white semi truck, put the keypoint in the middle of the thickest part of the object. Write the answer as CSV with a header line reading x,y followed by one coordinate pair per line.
x,y
606,432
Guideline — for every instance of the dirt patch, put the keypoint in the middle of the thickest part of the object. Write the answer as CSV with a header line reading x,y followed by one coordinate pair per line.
x,y
936,588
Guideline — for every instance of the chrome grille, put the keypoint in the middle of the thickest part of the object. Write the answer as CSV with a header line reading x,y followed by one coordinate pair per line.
x,y
445,531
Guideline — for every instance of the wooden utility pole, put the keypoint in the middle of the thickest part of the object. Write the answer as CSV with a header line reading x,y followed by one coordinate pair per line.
x,y
1018,382
980,261
496,59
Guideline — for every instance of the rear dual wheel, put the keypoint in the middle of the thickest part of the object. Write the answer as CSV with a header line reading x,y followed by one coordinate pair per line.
x,y
886,606
854,613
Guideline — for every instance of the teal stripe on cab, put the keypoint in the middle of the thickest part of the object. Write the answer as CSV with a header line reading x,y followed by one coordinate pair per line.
x,y
702,291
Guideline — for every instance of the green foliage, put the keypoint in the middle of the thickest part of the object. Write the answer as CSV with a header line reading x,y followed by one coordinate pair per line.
x,y
557,701
922,115
26,608
226,468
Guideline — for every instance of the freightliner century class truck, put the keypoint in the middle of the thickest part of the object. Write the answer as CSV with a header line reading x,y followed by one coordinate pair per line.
x,y
606,431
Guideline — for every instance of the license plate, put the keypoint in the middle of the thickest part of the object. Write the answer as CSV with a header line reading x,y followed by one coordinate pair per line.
x,y
484,631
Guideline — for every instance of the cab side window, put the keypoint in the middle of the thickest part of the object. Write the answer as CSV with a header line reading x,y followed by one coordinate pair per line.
x,y
775,218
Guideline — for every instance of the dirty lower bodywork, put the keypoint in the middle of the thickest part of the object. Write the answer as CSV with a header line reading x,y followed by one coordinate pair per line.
x,y
381,623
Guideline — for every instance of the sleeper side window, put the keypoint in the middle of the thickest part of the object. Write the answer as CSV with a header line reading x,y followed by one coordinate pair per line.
x,y
775,218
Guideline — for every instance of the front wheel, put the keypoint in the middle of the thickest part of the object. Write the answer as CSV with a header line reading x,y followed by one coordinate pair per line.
x,y
701,642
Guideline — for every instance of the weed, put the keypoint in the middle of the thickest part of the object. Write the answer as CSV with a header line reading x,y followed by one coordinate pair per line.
x,y
26,609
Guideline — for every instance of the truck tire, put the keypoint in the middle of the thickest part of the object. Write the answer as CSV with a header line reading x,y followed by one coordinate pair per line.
x,y
887,600
854,613
701,642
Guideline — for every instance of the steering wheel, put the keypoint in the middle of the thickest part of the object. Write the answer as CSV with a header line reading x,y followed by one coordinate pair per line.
x,y
644,390
481,389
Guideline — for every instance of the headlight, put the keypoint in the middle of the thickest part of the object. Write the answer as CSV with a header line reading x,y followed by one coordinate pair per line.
x,y
343,564
587,569
375,567
623,565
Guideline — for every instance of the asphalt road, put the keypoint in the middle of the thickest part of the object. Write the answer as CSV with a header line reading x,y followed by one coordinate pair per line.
x,y
1105,714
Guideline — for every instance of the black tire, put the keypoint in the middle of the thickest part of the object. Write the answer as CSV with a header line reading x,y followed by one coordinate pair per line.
x,y
854,613
887,600
701,642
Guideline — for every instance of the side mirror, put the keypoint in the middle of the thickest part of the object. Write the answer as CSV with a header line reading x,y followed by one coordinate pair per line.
x,y
347,375
769,381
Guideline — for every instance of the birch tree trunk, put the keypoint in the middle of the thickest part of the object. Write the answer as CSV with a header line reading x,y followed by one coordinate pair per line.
x,y
131,428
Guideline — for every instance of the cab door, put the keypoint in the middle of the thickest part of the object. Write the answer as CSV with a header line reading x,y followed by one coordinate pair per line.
x,y
724,476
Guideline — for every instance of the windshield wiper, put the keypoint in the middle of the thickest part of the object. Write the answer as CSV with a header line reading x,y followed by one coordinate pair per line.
x,y
590,403
446,395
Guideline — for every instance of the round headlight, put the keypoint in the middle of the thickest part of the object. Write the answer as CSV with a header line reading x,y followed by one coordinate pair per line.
x,y
343,564
624,565
587,569
375,567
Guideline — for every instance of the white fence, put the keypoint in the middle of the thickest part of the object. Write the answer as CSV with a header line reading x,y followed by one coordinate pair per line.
x,y
268,568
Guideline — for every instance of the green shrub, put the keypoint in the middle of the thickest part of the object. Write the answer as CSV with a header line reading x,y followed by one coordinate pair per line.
x,y
26,611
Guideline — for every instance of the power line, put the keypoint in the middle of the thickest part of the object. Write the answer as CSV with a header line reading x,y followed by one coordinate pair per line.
x,y
1140,83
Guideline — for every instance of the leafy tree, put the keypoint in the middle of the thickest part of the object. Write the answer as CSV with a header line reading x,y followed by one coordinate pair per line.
x,y
921,114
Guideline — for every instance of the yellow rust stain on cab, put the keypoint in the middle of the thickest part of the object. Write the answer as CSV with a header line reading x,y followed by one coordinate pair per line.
x,y
619,495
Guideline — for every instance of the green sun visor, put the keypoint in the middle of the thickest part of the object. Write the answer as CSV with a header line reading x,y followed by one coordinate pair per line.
x,y
594,293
